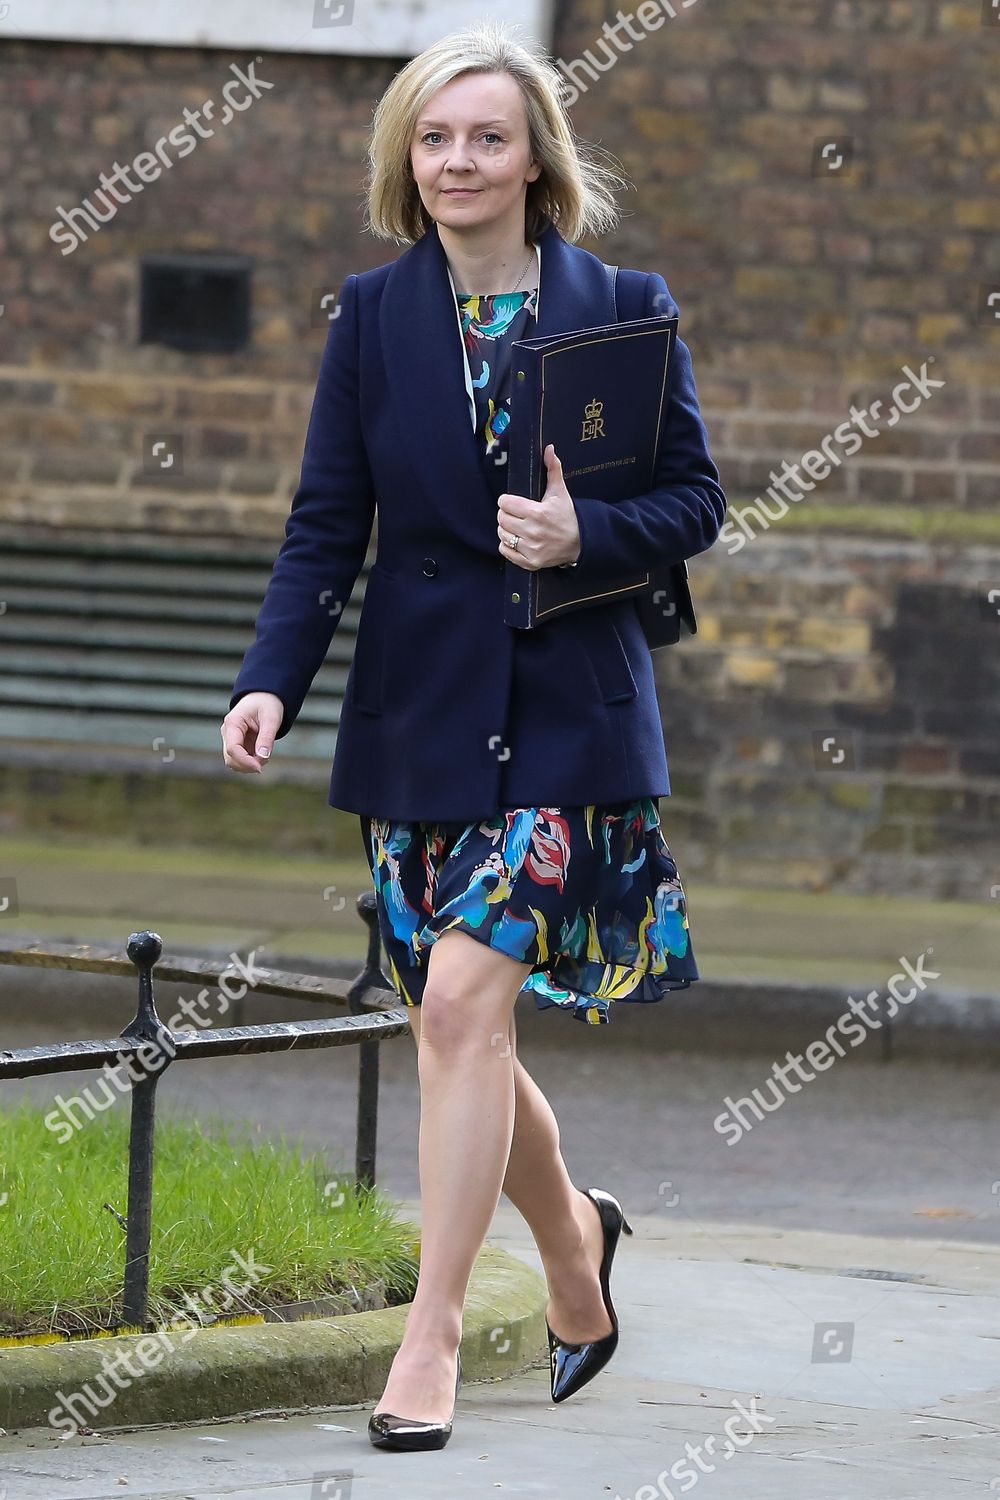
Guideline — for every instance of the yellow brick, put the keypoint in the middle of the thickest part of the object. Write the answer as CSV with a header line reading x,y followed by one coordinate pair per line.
x,y
275,333
315,219
788,361
980,140
824,323
871,681
956,254
958,17
861,599
837,637
870,367
670,125
766,132
733,166
804,874
975,368
789,93
108,130
937,328
900,291
896,211
742,632
116,398
750,670
783,283
774,872
977,213
845,95
798,243
776,633
708,628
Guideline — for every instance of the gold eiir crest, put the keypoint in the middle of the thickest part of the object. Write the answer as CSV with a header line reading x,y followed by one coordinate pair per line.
x,y
593,422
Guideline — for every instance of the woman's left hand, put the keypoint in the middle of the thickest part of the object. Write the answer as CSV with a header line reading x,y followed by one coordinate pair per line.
x,y
548,529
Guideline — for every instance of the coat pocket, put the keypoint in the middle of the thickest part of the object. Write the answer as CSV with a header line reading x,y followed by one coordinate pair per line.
x,y
605,650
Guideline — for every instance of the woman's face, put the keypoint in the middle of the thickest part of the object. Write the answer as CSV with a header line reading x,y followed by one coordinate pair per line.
x,y
473,133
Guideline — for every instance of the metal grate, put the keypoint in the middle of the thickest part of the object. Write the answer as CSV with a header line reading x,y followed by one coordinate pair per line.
x,y
195,301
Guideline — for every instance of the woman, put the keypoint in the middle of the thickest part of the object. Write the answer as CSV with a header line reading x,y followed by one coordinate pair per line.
x,y
507,782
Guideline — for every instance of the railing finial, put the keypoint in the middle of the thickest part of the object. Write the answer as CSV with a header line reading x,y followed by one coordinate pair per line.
x,y
144,948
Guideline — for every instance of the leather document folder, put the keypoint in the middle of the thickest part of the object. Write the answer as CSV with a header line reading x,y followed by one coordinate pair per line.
x,y
599,395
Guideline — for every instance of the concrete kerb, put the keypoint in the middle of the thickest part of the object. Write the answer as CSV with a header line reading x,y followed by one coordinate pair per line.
x,y
314,1363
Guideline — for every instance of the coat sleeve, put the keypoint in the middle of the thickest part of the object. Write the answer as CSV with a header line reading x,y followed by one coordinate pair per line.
x,y
683,514
326,534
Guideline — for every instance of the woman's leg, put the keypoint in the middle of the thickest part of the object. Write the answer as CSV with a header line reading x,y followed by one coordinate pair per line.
x,y
465,1069
563,1221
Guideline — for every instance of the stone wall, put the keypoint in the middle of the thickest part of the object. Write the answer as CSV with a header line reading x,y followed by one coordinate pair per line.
x,y
818,184
835,724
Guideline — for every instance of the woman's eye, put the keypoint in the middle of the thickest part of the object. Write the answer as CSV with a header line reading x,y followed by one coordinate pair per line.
x,y
495,134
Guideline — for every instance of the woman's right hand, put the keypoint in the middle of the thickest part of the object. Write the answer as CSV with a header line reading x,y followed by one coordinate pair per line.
x,y
248,731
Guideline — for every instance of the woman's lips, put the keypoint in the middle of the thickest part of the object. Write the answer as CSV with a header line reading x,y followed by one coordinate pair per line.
x,y
460,192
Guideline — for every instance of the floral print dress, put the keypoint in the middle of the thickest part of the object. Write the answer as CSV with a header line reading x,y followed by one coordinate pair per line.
x,y
590,897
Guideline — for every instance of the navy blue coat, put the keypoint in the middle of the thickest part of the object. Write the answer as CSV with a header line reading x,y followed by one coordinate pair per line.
x,y
449,713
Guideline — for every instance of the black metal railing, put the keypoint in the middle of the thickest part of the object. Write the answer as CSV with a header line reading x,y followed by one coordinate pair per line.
x,y
370,1022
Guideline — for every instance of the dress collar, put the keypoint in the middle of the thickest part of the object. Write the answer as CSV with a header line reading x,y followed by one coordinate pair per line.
x,y
458,315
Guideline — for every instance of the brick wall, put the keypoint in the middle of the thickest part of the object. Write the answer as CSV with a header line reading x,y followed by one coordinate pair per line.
x,y
835,724
808,282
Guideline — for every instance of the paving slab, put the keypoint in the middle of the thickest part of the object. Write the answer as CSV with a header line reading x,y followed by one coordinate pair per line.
x,y
825,1375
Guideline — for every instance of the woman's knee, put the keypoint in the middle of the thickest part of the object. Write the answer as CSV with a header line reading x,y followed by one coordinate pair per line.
x,y
456,1023
455,1019
469,994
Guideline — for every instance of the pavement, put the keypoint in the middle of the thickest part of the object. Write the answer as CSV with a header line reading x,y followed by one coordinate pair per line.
x,y
248,1363
753,1362
836,1273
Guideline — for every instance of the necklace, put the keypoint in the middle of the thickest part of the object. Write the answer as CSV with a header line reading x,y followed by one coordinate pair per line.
x,y
527,263
517,283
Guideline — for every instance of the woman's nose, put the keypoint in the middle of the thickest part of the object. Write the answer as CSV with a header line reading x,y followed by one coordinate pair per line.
x,y
458,157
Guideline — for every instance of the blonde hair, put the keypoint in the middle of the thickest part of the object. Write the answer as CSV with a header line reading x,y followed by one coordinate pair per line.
x,y
573,190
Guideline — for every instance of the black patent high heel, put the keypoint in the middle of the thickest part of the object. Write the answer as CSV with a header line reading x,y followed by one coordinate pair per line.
x,y
572,1365
389,1431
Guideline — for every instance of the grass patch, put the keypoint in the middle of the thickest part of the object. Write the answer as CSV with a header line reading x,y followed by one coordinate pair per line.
x,y
218,1191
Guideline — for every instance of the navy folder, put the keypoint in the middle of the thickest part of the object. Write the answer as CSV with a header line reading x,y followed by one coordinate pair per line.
x,y
600,395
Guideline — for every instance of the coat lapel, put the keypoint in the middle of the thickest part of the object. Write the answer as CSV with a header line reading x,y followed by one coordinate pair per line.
x,y
422,353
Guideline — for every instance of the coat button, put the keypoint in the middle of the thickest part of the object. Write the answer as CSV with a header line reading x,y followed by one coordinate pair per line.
x,y
430,566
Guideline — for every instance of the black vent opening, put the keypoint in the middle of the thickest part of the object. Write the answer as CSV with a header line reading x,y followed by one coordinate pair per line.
x,y
195,300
